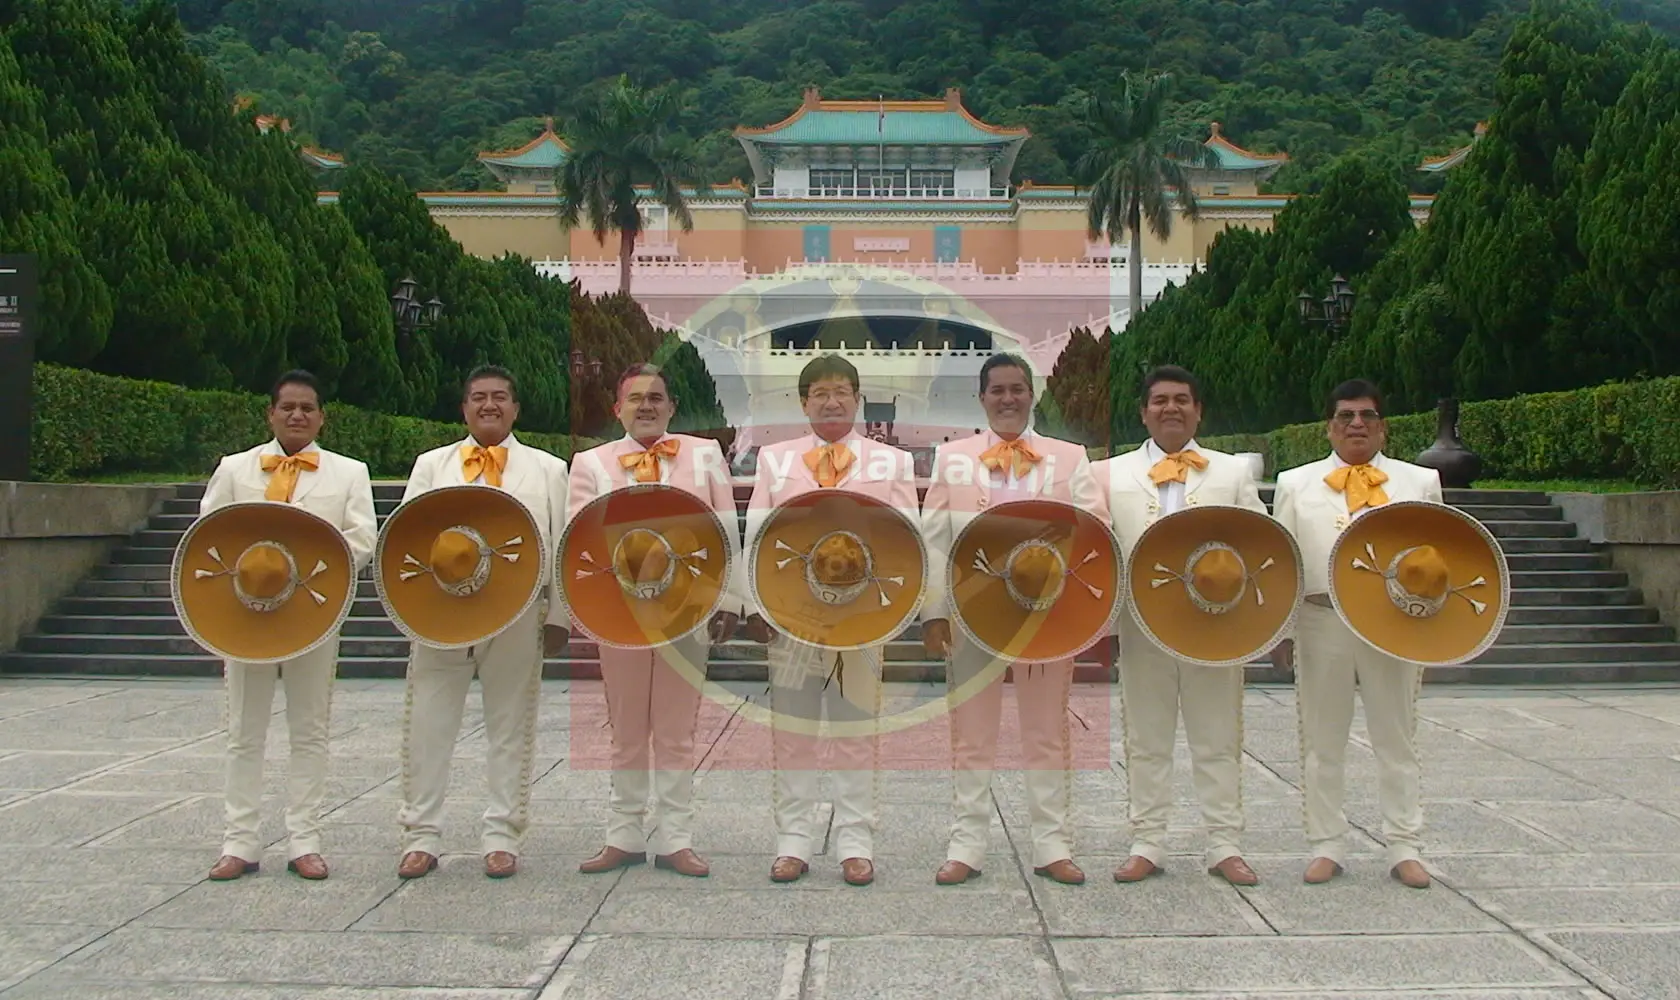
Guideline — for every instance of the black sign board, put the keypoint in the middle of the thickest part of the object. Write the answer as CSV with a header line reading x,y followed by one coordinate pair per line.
x,y
18,303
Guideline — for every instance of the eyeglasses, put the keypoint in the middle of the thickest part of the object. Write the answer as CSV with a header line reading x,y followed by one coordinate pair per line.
x,y
833,395
1345,417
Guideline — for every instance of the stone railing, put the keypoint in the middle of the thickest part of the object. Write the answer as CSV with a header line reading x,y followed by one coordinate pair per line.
x,y
1642,533
52,535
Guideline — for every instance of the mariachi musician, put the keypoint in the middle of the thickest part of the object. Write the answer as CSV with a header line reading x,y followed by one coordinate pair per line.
x,y
1008,462
1396,581
238,611
836,569
653,685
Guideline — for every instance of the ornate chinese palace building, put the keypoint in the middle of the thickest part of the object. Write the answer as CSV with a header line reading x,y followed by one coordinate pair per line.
x,y
888,231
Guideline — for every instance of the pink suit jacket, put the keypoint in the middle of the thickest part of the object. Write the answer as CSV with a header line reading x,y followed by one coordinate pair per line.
x,y
878,470
698,467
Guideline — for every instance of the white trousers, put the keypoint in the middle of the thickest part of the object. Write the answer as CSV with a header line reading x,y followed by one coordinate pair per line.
x,y
1155,690
651,703
847,691
250,703
1329,659
509,669
1041,702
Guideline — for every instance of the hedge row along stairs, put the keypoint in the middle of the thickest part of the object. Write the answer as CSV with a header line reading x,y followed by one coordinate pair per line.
x,y
1573,617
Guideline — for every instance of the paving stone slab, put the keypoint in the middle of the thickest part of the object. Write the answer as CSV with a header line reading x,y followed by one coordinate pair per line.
x,y
1612,826
1471,828
49,990
80,903
548,894
64,819
1643,964
1639,778
1497,871
27,949
903,968
26,769
868,910
1364,901
1182,902
1257,965
100,866
275,899
608,967
1578,906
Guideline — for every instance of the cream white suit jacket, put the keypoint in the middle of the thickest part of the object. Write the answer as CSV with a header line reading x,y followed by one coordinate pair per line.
x,y
1133,501
534,477
339,491
1316,514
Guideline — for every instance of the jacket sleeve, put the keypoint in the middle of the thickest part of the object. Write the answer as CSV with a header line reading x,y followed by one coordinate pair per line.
x,y
937,534
1432,487
1283,503
555,470
1083,487
419,478
218,493
361,526
1248,491
580,488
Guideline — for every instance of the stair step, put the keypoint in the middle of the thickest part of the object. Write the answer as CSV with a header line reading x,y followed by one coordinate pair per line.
x,y
1496,498
1546,546
1574,597
1584,652
1574,634
1565,579
1504,512
1521,562
1615,614
1502,529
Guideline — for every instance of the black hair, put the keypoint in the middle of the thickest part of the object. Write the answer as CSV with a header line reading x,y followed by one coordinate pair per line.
x,y
490,371
297,376
1353,388
638,371
1004,360
1171,373
826,366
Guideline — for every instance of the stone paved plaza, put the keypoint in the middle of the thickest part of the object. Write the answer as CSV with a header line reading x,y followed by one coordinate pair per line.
x,y
1554,828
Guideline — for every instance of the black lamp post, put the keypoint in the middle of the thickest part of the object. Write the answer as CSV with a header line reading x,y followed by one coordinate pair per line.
x,y
1334,311
582,366
409,312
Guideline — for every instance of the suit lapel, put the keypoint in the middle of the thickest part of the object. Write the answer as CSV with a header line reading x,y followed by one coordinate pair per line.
x,y
453,474
307,481
519,464
1193,480
1138,460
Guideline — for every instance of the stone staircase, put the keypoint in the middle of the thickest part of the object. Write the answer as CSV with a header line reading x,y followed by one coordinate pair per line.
x,y
1573,617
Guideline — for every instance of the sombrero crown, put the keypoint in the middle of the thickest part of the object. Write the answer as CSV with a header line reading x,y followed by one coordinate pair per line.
x,y
838,569
1010,574
458,565
262,582
1422,582
644,566
1215,585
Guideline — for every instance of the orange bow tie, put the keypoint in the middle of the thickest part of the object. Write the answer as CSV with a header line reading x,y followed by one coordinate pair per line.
x,y
1360,484
477,460
286,469
1175,468
828,463
1016,455
644,465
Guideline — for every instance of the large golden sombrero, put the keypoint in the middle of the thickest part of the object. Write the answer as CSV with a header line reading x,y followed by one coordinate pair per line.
x,y
838,570
457,566
262,582
1423,582
644,566
1035,581
1216,586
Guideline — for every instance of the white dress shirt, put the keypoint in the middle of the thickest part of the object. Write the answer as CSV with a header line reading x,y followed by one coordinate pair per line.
x,y
1172,491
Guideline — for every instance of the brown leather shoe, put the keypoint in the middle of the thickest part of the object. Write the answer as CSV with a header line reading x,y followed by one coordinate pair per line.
x,y
788,869
310,866
857,871
1063,871
500,864
684,862
1320,871
955,873
1235,871
1411,874
227,868
416,864
1135,869
611,859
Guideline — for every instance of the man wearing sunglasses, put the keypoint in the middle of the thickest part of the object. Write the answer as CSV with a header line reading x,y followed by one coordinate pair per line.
x,y
1316,502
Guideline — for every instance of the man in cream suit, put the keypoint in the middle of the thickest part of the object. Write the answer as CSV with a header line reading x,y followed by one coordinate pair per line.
x,y
1171,472
293,469
509,667
1315,502
807,683
649,699
1007,462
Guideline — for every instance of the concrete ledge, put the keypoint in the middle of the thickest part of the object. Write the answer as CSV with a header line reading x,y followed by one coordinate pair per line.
x,y
1643,534
54,534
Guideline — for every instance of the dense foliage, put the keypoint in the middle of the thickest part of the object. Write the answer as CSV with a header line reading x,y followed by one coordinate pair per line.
x,y
419,86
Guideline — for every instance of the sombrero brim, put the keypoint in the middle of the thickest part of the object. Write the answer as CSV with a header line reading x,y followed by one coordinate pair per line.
x,y
426,613
781,592
601,607
1459,632
211,612
1084,613
1161,603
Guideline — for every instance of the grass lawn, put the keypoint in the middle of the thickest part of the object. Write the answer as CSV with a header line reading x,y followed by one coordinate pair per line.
x,y
1566,485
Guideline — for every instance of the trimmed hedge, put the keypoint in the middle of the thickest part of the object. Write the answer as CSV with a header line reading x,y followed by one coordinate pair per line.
x,y
87,424
1620,430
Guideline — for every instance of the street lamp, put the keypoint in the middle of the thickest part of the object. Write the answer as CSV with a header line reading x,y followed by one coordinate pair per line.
x,y
582,365
409,312
1334,311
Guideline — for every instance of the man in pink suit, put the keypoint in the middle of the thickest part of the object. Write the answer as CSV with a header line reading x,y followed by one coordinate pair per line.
x,y
1006,462
806,682
649,699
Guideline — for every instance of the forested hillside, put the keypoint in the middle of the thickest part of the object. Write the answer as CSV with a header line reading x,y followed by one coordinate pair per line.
x,y
418,87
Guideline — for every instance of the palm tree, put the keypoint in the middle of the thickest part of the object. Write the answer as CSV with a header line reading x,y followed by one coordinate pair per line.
x,y
1136,172
620,141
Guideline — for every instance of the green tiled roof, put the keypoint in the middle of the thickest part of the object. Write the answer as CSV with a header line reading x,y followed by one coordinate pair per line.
x,y
870,127
543,153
